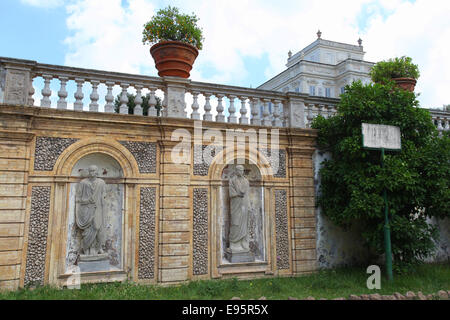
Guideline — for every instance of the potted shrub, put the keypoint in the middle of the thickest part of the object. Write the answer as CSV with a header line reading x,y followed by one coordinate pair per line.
x,y
401,70
176,39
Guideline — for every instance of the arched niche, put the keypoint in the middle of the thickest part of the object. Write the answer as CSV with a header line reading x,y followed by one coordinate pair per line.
x,y
110,171
256,212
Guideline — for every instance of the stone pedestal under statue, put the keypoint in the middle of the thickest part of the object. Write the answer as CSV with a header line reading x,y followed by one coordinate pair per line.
x,y
239,257
96,262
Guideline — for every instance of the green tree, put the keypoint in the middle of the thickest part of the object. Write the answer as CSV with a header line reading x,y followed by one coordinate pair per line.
x,y
416,178
131,104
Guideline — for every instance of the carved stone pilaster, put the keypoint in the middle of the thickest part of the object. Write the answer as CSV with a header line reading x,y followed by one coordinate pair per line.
x,y
147,223
200,223
296,112
16,87
37,236
15,80
175,92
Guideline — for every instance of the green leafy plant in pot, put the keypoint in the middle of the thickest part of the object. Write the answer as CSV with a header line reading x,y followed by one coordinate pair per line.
x,y
175,39
400,70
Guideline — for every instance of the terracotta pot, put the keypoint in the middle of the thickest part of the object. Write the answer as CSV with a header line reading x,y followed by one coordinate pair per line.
x,y
174,58
406,83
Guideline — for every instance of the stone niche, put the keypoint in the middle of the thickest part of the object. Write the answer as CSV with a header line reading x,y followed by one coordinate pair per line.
x,y
256,237
111,259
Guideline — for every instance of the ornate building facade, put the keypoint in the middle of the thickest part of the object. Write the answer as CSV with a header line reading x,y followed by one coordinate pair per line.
x,y
322,69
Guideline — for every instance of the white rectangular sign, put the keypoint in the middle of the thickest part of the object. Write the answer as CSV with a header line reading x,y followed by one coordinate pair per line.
x,y
377,136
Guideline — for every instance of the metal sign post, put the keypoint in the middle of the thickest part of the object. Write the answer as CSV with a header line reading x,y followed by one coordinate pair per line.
x,y
381,137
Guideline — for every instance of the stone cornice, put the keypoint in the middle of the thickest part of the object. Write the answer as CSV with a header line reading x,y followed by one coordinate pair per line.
x,y
16,135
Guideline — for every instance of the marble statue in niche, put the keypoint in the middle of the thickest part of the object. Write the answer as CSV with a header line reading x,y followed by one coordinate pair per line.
x,y
239,213
90,211
95,245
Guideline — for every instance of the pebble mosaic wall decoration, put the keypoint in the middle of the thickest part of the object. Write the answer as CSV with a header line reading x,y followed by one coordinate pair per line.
x,y
47,151
200,245
37,236
281,172
281,223
144,153
201,166
146,267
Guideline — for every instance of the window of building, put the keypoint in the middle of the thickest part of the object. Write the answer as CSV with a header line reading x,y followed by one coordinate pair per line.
x,y
312,90
328,92
342,90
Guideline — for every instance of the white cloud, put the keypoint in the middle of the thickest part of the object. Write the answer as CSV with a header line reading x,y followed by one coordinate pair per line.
x,y
420,30
253,28
107,36
43,3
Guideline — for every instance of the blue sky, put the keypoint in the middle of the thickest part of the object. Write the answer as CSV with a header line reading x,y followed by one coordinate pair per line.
x,y
246,41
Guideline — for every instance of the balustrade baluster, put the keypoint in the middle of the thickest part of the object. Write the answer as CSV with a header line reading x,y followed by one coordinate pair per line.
x,y
62,94
79,95
109,98
46,92
152,103
243,111
255,120
320,110
285,114
220,117
266,114
310,115
231,110
195,106
333,110
164,103
207,115
93,106
138,100
277,122
439,124
124,99
325,111
31,93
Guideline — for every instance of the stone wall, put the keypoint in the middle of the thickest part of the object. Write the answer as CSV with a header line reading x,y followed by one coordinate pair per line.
x,y
165,218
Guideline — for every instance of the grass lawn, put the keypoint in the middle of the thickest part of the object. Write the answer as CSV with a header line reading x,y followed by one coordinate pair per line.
x,y
428,278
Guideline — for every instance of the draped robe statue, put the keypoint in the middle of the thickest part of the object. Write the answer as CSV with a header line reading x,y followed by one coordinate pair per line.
x,y
239,210
91,211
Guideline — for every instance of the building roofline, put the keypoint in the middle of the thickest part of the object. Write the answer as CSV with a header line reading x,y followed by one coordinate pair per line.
x,y
313,62
327,43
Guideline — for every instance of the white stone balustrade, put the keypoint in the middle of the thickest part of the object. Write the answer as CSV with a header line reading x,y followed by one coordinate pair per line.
x,y
441,119
101,91
315,109
67,88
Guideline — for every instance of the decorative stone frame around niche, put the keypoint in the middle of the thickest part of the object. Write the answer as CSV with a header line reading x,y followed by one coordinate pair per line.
x,y
57,273
111,173
269,184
